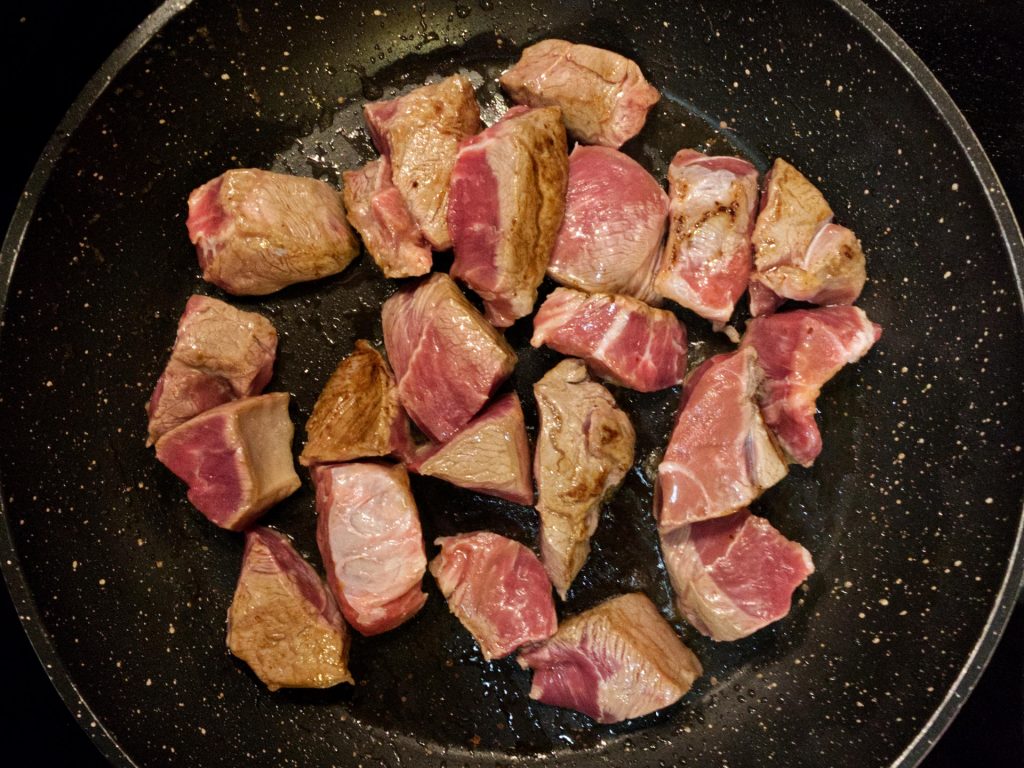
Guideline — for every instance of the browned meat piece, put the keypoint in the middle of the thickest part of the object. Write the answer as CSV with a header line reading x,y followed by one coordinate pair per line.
x,y
420,134
235,458
798,253
283,622
507,200
603,96
584,450
378,212
792,212
257,231
489,455
614,662
220,353
358,413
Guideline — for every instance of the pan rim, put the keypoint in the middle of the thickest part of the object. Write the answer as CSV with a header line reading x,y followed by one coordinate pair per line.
x,y
992,188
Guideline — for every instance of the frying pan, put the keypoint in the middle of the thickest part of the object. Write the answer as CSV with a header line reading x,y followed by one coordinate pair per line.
x,y
912,512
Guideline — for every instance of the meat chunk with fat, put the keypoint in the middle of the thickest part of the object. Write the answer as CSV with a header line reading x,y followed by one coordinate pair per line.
x,y
236,459
358,414
256,231
603,95
622,339
220,354
447,359
506,204
489,455
617,661
721,455
419,133
379,214
282,621
799,352
615,215
585,447
708,256
798,253
733,575
369,536
498,590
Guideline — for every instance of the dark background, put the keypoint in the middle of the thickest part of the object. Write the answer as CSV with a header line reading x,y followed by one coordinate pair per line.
x,y
50,48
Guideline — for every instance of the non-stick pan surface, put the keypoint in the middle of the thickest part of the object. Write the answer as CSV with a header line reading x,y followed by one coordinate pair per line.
x,y
912,512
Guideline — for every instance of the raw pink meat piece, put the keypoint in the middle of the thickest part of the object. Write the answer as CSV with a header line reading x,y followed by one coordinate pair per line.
x,y
721,455
447,359
497,588
799,352
708,256
236,458
368,532
621,339
733,575
615,216
378,211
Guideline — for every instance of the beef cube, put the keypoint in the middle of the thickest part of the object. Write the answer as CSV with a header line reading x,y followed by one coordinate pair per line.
x,y
220,354
378,211
447,359
585,447
708,256
506,205
603,95
799,352
733,575
419,133
489,455
622,339
256,232
368,532
615,216
358,414
236,459
798,253
283,622
720,456
617,661
498,590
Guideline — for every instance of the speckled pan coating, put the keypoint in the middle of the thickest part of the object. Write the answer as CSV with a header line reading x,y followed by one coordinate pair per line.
x,y
912,512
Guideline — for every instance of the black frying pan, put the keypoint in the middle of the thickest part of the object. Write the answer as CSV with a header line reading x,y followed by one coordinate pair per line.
x,y
896,510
